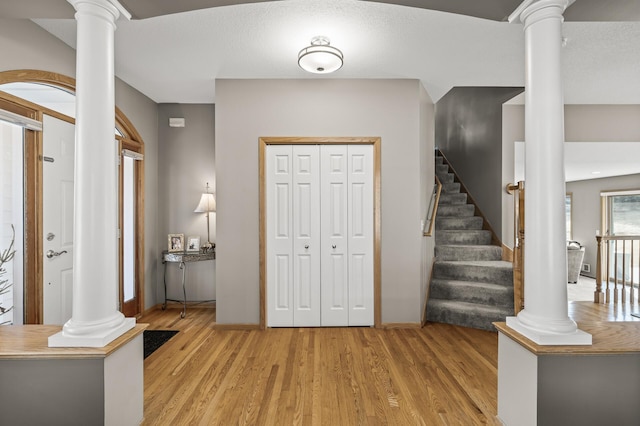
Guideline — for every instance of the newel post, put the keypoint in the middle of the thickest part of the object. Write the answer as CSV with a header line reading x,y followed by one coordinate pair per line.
x,y
598,295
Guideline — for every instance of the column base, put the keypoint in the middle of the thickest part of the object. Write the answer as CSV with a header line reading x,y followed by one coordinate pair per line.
x,y
95,339
577,337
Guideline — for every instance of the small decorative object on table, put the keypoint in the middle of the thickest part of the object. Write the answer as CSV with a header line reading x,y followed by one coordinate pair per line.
x,y
176,243
193,244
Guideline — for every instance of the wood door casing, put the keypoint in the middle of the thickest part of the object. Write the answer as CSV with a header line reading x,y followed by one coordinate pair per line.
x,y
375,219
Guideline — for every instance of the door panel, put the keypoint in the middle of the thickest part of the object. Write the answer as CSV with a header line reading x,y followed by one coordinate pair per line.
x,y
58,168
360,227
279,250
334,274
306,241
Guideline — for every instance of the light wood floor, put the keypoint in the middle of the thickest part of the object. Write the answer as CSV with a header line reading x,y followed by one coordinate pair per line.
x,y
437,375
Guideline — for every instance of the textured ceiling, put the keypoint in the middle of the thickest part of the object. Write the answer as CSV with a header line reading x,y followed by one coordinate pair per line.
x,y
176,58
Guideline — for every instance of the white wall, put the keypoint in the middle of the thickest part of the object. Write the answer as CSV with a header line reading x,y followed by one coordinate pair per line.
x,y
249,109
24,45
186,162
427,173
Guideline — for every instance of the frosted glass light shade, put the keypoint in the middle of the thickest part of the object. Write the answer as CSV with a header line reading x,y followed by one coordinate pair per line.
x,y
207,204
320,57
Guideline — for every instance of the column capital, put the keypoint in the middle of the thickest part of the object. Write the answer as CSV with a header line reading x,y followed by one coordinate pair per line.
x,y
532,11
114,7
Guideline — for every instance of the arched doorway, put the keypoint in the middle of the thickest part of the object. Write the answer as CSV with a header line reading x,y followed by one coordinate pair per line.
x,y
131,195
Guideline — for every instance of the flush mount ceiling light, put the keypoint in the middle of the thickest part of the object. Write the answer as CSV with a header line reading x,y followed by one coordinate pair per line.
x,y
320,57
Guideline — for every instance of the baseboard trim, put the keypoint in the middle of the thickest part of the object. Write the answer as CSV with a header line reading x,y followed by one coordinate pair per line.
x,y
236,326
507,254
400,325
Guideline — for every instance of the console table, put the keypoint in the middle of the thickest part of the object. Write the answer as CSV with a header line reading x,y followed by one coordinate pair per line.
x,y
182,258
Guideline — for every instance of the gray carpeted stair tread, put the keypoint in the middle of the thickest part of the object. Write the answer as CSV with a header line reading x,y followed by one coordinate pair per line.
x,y
456,210
450,187
453,198
468,252
472,292
492,271
458,223
439,159
445,177
463,237
466,314
442,168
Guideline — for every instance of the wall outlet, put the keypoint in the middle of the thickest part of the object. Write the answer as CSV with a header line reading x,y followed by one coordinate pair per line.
x,y
586,267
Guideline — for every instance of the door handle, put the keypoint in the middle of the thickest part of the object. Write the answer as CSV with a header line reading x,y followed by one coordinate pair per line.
x,y
51,253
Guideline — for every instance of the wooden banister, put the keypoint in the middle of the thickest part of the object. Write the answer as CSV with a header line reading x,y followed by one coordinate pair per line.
x,y
433,208
518,244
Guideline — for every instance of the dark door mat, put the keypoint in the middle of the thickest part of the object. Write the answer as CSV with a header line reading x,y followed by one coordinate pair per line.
x,y
153,339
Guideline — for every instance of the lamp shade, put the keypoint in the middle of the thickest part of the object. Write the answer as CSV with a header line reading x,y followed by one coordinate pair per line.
x,y
207,204
320,57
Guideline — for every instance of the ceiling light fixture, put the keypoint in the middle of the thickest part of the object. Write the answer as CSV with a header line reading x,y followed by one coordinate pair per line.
x,y
320,57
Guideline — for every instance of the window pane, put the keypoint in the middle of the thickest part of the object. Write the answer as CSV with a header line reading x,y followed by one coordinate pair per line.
x,y
567,209
11,215
129,227
625,215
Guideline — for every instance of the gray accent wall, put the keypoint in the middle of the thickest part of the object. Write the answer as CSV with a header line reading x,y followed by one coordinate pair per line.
x,y
186,162
469,134
24,45
397,111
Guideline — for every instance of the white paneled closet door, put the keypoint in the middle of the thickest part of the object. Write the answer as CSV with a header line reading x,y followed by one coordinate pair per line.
x,y
293,236
333,222
319,254
360,234
306,236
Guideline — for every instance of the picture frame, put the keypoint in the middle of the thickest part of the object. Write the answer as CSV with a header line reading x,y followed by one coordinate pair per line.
x,y
193,243
175,243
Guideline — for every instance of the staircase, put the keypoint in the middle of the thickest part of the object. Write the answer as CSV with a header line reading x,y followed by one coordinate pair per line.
x,y
470,286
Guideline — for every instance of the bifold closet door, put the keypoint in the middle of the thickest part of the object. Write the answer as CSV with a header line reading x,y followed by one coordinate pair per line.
x,y
319,235
293,235
347,235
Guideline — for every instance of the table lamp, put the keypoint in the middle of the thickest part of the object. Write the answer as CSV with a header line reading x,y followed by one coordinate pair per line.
x,y
206,205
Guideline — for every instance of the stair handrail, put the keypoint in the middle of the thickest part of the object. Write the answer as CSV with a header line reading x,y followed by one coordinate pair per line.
x,y
517,190
603,268
432,211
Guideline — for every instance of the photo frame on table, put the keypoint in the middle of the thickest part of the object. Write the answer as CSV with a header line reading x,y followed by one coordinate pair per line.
x,y
176,242
193,243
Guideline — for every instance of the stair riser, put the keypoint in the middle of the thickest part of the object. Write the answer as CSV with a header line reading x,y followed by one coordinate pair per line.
x,y
454,252
454,210
480,237
445,177
479,273
471,293
482,321
458,198
442,168
459,223
450,187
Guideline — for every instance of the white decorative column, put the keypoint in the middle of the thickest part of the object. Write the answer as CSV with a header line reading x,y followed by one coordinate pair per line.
x,y
545,317
95,319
